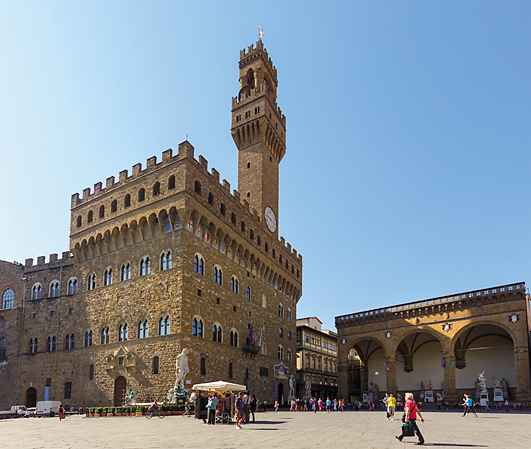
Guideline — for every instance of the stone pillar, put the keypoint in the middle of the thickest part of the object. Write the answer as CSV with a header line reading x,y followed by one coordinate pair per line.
x,y
450,394
342,380
521,367
391,375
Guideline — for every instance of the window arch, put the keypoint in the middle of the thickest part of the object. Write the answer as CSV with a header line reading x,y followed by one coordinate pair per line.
x,y
199,264
127,200
125,272
143,329
3,349
141,194
197,327
155,365
217,333
34,346
210,198
222,209
145,266
230,370
165,260
197,187
123,332
102,211
218,275
114,206
51,344
91,282
234,284
281,311
233,338
280,352
289,315
107,277
69,342
72,286
248,293
88,339
203,366
164,326
90,216
171,182
8,298
36,291
79,221
288,353
105,333
233,218
156,189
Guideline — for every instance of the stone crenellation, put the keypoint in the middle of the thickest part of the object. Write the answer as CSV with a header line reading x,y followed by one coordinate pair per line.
x,y
256,52
53,260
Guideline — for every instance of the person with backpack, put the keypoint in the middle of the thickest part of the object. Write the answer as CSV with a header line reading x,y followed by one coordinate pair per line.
x,y
410,416
469,406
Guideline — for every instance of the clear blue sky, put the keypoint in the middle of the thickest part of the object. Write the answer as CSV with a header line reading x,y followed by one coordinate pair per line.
x,y
408,124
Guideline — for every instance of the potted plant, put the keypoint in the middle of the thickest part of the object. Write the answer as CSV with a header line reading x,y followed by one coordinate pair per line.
x,y
119,411
97,412
140,410
90,412
110,411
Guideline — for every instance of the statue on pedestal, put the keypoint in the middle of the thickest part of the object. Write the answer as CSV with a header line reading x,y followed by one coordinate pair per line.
x,y
291,395
482,382
181,368
307,389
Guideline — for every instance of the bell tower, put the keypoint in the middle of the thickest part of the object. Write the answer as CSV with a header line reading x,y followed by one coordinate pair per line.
x,y
259,132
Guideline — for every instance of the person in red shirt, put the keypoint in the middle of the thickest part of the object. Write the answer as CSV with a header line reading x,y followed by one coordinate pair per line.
x,y
411,411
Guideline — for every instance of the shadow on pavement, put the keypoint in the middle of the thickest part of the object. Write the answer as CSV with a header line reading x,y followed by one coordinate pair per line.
x,y
455,445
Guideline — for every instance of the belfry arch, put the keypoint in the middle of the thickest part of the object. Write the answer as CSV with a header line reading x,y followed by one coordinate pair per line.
x,y
366,369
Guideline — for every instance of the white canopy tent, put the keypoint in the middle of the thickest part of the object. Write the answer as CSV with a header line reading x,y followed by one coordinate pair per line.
x,y
219,387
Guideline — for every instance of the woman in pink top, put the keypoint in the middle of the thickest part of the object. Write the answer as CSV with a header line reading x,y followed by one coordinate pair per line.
x,y
411,411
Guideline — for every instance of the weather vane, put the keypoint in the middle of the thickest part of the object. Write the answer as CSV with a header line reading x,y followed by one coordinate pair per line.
x,y
260,32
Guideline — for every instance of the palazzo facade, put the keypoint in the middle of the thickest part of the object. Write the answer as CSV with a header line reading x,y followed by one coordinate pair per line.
x,y
162,259
446,342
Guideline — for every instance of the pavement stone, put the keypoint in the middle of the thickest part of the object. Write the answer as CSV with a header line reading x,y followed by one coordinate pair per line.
x,y
362,429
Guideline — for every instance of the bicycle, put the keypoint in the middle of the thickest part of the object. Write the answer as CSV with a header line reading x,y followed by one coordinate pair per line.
x,y
159,413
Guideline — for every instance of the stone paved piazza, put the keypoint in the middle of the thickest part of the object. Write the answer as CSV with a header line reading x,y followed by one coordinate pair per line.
x,y
283,429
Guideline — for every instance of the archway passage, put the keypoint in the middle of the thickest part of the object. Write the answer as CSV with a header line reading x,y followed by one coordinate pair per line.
x,y
366,371
418,364
120,384
484,348
31,397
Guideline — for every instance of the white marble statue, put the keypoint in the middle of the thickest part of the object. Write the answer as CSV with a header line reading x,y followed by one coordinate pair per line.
x,y
307,389
482,382
181,367
291,395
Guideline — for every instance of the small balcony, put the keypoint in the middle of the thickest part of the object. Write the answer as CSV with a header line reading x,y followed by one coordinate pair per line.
x,y
250,351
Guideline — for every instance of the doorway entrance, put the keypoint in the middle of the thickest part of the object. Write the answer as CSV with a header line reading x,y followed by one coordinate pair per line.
x,y
31,397
120,384
280,397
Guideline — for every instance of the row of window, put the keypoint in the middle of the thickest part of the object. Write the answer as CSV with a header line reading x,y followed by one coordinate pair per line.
x,y
315,363
54,289
141,195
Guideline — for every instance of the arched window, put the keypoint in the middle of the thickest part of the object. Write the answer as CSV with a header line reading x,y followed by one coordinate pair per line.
x,y
3,349
127,200
8,298
72,286
125,272
248,292
222,209
161,326
218,275
215,333
34,346
243,226
280,332
90,216
78,221
143,329
289,315
251,235
280,352
281,311
91,282
141,195
289,336
230,370
51,344
203,366
145,266
54,289
105,333
107,278
88,339
197,327
289,354
266,247
165,260
114,206
198,188
171,182
167,325
156,189
199,265
123,332
233,340
233,218
36,292
102,211
155,365
210,199
234,284
69,342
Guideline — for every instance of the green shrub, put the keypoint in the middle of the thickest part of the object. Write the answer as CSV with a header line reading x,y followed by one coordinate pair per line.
x,y
119,409
142,408
91,410
127,409
133,409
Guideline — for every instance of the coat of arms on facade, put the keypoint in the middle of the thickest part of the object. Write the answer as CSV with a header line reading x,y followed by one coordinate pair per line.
x,y
388,334
446,327
514,318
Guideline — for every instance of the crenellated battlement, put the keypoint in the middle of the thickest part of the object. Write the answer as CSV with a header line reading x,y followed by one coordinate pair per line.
x,y
53,261
255,52
255,93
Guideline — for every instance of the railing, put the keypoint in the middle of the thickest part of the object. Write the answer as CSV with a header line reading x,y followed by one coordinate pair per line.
x,y
434,301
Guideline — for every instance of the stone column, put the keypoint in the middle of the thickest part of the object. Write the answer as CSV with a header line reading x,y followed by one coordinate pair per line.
x,y
391,375
342,380
450,394
521,368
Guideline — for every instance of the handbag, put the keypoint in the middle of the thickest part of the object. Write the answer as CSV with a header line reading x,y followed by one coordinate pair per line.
x,y
408,430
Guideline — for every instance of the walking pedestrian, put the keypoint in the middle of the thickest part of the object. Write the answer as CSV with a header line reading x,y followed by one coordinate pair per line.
x,y
61,412
385,404
411,411
320,402
391,406
314,405
469,408
253,405
187,408
246,406
240,415
507,405
328,405
276,405
211,408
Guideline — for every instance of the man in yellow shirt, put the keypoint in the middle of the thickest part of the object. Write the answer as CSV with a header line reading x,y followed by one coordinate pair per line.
x,y
391,405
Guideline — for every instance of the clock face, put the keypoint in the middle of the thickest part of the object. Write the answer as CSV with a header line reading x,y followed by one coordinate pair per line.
x,y
270,219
